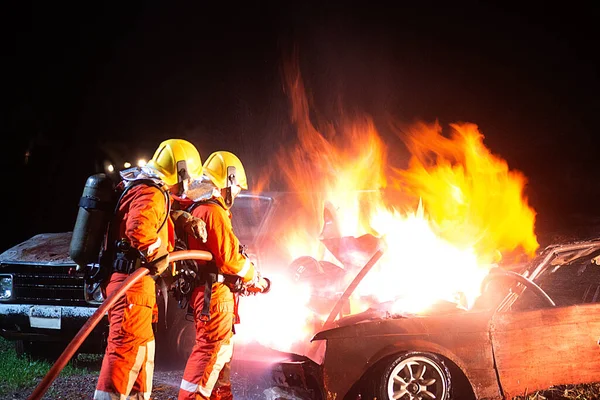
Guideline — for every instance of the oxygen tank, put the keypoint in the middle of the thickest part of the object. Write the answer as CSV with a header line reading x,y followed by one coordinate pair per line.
x,y
96,208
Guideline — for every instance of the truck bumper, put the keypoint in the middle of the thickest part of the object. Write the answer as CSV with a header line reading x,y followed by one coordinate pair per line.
x,y
30,322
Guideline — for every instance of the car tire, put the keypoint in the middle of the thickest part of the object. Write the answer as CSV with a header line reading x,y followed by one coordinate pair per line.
x,y
414,375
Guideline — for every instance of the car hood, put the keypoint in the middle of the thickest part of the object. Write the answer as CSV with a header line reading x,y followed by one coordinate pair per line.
x,y
45,248
376,323
442,312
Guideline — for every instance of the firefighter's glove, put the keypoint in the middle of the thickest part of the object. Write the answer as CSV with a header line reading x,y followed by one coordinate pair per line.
x,y
158,266
191,225
196,228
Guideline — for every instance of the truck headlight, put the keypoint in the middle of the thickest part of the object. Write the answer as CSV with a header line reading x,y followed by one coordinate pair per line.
x,y
93,294
6,286
97,296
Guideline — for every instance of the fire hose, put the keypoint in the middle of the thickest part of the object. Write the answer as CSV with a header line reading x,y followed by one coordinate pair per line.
x,y
91,323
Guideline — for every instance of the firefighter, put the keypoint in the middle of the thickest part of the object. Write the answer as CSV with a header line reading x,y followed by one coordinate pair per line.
x,y
214,305
143,233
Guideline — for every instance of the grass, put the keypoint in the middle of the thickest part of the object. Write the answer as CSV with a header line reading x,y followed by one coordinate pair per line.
x,y
19,373
566,392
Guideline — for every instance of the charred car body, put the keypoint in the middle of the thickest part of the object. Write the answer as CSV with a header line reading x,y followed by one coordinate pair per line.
x,y
528,331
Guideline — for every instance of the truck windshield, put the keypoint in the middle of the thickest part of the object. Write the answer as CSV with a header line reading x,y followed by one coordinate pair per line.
x,y
248,214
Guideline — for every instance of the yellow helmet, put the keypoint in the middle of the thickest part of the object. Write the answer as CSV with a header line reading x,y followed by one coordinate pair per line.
x,y
225,169
176,160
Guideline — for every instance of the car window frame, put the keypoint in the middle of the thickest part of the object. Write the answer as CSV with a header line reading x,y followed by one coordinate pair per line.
x,y
545,261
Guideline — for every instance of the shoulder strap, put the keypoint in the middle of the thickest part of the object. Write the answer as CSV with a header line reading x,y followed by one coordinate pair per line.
x,y
209,201
147,182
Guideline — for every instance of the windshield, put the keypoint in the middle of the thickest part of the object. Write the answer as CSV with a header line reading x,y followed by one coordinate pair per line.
x,y
248,213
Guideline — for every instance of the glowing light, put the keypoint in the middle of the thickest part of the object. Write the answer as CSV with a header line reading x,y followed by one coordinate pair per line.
x,y
141,162
287,300
110,168
127,164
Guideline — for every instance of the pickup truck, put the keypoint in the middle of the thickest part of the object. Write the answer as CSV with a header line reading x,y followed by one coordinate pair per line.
x,y
43,302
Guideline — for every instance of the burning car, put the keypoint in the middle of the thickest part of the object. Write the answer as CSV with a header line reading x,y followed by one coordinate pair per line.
x,y
529,330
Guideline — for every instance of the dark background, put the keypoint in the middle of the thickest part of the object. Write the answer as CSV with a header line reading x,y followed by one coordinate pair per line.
x,y
81,83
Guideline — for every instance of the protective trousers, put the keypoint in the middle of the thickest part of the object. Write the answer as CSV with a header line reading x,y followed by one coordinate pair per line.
x,y
206,374
128,363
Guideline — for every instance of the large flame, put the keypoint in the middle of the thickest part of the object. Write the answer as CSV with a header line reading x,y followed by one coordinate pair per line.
x,y
445,220
471,195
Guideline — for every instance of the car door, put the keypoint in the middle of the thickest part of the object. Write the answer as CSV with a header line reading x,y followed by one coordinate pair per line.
x,y
537,346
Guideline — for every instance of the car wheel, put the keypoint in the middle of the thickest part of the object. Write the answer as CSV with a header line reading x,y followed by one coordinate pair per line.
x,y
413,376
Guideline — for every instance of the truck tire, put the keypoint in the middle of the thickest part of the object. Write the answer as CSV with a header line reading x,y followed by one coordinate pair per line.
x,y
175,341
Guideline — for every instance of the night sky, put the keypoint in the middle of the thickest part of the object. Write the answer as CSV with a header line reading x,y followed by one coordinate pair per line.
x,y
80,82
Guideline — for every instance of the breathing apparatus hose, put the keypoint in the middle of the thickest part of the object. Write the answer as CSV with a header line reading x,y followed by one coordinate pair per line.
x,y
91,323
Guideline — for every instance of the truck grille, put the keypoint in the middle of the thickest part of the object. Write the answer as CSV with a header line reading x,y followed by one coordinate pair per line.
x,y
45,284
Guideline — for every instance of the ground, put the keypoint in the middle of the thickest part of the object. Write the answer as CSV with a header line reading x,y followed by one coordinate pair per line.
x,y
248,384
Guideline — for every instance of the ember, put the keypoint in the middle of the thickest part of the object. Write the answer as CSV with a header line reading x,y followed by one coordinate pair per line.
x,y
446,219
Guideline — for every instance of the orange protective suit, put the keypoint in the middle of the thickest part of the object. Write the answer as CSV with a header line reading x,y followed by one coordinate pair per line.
x,y
128,364
206,374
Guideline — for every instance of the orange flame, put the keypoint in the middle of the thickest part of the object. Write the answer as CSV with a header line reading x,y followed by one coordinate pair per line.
x,y
470,194
329,166
445,220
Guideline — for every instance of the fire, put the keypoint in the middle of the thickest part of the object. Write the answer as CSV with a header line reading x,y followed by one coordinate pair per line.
x,y
420,268
444,220
471,195
277,319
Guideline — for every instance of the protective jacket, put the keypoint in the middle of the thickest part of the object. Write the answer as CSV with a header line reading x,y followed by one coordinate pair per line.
x,y
128,364
222,242
206,374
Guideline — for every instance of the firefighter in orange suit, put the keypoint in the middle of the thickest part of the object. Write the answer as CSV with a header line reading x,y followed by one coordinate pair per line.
x,y
143,233
206,374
